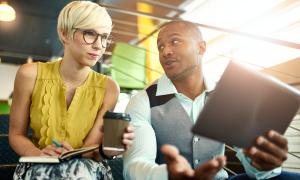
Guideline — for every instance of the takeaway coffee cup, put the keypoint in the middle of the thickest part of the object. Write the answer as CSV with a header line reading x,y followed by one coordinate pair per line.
x,y
114,128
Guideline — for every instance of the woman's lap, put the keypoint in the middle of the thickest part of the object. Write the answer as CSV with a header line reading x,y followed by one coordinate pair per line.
x,y
79,168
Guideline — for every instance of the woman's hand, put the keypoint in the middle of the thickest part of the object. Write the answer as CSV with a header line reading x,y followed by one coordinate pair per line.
x,y
53,150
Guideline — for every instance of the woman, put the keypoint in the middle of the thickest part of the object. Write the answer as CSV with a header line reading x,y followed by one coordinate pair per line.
x,y
65,100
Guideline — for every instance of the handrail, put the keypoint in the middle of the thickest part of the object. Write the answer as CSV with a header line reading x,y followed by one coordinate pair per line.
x,y
129,60
294,155
229,170
294,128
229,57
129,75
164,5
230,31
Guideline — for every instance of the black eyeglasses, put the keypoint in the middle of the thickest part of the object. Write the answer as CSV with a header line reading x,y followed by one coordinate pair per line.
x,y
91,36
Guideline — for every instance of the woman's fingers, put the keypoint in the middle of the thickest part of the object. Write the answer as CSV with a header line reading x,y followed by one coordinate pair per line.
x,y
50,150
66,146
53,150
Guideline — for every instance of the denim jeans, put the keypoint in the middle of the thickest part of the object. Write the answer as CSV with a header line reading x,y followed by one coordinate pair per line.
x,y
283,176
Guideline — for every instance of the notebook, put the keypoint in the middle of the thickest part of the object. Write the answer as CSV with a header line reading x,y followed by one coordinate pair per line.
x,y
246,104
63,157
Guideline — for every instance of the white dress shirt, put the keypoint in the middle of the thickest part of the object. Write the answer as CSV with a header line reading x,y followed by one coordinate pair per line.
x,y
139,160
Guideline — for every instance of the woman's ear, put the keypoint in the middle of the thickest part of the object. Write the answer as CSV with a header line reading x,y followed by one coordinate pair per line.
x,y
64,36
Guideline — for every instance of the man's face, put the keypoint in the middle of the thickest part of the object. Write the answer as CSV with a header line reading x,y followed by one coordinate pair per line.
x,y
179,50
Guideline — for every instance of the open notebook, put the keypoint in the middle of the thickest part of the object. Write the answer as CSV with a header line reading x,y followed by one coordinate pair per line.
x,y
246,104
63,157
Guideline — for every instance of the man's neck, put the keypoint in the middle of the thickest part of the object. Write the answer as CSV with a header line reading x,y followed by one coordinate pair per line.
x,y
191,86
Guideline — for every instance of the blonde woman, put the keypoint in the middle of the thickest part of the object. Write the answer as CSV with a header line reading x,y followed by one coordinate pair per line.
x,y
66,100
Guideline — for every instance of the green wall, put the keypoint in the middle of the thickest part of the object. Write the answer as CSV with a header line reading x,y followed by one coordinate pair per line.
x,y
128,66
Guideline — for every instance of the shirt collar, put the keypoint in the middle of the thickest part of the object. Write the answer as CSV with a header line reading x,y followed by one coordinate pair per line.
x,y
165,86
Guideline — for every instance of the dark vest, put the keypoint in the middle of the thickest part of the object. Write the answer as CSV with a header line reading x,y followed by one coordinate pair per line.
x,y
172,125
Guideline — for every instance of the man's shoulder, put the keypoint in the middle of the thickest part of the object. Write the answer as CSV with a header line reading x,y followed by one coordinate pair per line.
x,y
139,107
143,94
152,83
140,96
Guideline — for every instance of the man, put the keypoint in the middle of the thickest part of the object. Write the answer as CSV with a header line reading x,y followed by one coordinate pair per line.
x,y
165,112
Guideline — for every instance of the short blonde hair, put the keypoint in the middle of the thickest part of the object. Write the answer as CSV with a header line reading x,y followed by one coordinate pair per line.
x,y
83,15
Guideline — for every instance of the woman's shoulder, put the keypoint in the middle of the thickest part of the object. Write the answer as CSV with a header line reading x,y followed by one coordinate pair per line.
x,y
25,78
112,92
27,71
112,85
104,81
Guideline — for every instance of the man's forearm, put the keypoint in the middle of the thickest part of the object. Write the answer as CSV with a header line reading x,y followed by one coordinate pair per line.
x,y
145,170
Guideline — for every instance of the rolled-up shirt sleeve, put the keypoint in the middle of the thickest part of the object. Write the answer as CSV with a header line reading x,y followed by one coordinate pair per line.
x,y
252,171
139,159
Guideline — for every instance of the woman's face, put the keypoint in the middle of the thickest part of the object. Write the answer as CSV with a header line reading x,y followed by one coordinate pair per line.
x,y
87,45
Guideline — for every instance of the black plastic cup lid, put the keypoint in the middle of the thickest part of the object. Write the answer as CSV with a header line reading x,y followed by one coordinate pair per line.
x,y
113,115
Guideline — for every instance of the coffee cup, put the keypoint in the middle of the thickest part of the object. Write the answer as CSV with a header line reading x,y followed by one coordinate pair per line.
x,y
114,128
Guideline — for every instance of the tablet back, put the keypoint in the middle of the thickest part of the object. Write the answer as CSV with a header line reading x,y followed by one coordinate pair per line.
x,y
246,104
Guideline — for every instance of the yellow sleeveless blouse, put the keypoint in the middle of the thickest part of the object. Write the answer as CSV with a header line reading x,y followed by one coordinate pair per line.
x,y
49,116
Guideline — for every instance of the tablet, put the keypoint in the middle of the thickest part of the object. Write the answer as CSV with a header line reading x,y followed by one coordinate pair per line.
x,y
246,104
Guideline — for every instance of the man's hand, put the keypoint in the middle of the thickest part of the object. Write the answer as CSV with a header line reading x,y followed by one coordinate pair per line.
x,y
209,170
128,137
127,140
269,152
179,168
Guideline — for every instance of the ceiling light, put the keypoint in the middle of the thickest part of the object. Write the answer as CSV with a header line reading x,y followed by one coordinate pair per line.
x,y
7,13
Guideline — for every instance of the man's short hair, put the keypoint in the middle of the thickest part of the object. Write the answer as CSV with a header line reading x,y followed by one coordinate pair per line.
x,y
190,25
83,15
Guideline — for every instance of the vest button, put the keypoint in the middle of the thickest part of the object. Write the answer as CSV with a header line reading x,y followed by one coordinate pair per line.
x,y
195,139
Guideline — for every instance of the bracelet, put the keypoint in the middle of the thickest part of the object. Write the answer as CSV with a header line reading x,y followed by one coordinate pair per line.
x,y
103,155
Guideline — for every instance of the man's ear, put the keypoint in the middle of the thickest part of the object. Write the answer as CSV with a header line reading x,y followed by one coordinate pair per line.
x,y
202,47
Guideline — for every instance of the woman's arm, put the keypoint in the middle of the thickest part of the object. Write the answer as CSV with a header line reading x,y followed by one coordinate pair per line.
x,y
109,102
20,110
